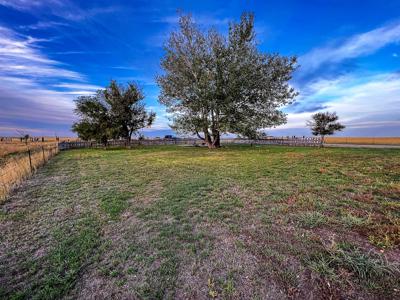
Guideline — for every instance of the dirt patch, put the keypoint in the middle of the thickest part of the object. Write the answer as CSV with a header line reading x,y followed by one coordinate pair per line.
x,y
150,194
364,197
295,155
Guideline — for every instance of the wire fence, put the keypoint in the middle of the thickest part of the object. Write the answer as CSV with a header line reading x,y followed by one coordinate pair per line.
x,y
14,168
284,141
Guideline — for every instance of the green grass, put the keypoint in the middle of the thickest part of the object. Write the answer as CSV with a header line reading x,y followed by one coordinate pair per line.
x,y
114,203
61,266
180,222
372,270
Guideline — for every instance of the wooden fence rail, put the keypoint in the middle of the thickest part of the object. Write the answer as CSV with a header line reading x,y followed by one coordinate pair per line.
x,y
291,141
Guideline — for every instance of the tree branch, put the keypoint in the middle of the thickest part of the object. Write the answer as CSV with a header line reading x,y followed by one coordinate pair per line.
x,y
200,137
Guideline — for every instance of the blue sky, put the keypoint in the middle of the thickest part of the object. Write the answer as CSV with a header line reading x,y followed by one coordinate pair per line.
x,y
52,51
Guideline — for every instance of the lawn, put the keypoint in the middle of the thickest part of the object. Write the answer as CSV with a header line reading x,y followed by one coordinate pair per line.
x,y
189,223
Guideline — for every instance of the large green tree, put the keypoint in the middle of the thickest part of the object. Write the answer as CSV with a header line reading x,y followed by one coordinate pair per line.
x,y
214,84
115,112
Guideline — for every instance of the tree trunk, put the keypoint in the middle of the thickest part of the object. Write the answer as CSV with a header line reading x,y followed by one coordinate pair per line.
x,y
214,142
129,139
217,140
322,141
207,139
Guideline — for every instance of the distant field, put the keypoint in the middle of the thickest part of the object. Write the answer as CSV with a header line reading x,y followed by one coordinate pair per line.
x,y
364,140
172,222
14,145
17,147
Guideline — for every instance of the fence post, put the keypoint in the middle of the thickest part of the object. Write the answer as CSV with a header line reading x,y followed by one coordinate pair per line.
x,y
30,160
44,159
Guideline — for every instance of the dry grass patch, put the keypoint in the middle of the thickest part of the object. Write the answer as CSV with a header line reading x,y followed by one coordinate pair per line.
x,y
15,168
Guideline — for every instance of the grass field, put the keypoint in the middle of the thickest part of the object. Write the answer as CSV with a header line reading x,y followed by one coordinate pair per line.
x,y
18,147
14,145
190,223
363,140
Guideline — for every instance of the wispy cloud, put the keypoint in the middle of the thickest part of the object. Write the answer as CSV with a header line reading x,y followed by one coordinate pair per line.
x,y
125,67
89,87
208,20
43,25
61,8
360,101
172,21
24,4
354,46
21,56
35,87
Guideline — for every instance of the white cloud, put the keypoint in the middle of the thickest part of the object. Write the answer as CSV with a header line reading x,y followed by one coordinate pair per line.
x,y
88,87
24,4
360,101
355,46
61,8
43,25
21,55
34,87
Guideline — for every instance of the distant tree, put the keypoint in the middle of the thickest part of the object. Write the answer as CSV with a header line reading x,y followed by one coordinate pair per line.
x,y
126,108
324,123
23,136
215,84
116,112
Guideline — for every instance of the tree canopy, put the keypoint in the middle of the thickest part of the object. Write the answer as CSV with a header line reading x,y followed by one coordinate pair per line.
x,y
115,112
324,123
214,84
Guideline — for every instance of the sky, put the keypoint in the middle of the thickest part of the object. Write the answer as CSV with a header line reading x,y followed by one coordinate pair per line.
x,y
53,51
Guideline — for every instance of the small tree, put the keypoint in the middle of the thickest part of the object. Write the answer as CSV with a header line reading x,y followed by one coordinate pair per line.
x,y
324,123
116,112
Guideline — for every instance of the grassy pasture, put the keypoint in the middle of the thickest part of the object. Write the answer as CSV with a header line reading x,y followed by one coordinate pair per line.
x,y
190,223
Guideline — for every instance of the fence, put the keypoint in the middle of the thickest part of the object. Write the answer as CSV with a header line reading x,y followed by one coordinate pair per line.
x,y
287,141
284,141
123,143
14,168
